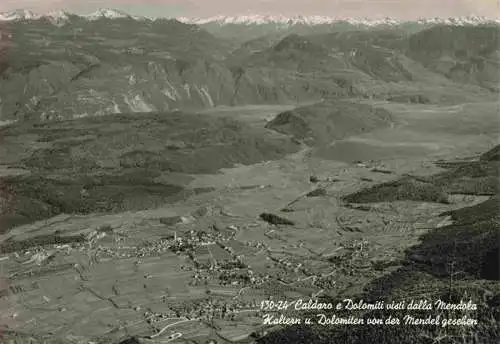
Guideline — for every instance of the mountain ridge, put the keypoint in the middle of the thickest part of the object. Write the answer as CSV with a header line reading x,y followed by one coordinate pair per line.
x,y
320,20
119,65
253,19
102,13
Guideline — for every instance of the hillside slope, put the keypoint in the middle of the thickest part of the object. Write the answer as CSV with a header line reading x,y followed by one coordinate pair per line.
x,y
463,54
322,123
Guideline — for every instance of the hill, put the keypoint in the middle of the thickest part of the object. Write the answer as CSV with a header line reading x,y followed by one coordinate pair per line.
x,y
322,123
471,178
120,162
492,155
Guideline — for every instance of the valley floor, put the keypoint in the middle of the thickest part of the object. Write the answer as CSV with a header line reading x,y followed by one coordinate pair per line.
x,y
199,268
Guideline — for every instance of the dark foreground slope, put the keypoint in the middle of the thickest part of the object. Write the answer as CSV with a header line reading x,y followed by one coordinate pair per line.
x,y
118,163
470,178
454,263
491,155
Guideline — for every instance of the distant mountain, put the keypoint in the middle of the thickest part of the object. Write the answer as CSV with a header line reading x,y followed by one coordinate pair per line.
x,y
353,63
320,20
250,20
463,54
59,15
109,62
19,14
253,26
294,52
106,13
63,16
247,27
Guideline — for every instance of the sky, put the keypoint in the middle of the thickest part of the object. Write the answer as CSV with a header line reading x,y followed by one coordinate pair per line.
x,y
400,9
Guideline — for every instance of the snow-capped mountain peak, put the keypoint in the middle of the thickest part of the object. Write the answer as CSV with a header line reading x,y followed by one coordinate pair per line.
x,y
18,14
319,20
468,20
106,13
58,14
256,19
58,18
61,17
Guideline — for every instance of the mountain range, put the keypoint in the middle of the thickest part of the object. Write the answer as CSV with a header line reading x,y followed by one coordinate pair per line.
x,y
109,62
320,20
242,28
255,19
60,15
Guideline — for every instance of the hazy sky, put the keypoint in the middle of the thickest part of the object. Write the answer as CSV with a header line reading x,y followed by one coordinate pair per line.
x,y
403,9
